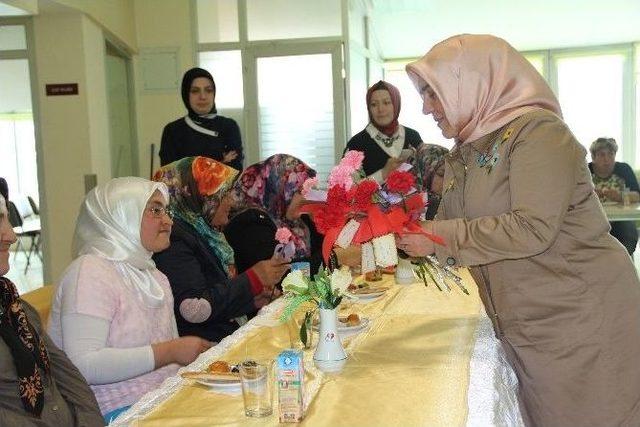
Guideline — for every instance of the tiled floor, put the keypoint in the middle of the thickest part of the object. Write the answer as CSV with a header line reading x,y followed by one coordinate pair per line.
x,y
33,277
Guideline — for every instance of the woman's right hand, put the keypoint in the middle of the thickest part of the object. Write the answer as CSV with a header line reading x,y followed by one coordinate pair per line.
x,y
229,156
392,164
183,350
270,271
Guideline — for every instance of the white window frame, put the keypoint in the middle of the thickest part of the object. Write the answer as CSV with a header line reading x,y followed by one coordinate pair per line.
x,y
252,50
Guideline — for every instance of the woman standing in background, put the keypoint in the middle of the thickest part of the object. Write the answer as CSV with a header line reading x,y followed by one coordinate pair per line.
x,y
383,139
202,132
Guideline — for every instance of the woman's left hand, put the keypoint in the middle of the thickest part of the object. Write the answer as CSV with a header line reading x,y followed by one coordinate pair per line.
x,y
417,245
229,156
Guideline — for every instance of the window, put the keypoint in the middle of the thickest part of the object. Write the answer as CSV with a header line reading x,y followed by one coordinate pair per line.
x,y
285,19
594,87
590,91
17,140
411,106
18,148
538,60
226,69
217,21
12,37
292,124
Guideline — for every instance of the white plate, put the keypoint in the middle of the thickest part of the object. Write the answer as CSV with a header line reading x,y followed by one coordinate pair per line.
x,y
343,328
221,385
369,295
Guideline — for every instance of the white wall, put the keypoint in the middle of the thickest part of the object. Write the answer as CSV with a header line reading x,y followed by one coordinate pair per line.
x,y
159,24
65,129
279,19
16,92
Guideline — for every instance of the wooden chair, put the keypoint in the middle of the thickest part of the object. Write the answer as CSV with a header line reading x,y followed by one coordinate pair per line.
x,y
41,299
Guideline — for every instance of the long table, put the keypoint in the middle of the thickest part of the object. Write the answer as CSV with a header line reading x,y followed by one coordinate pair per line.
x,y
426,358
619,212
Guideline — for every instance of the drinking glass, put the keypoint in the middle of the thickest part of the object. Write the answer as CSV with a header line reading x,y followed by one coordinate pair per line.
x,y
257,387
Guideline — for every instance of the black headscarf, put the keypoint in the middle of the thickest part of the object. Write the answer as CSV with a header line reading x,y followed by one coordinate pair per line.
x,y
187,80
4,189
26,347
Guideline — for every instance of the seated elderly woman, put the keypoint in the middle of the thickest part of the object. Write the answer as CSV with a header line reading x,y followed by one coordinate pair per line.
x,y
38,383
267,196
211,300
428,166
610,179
113,310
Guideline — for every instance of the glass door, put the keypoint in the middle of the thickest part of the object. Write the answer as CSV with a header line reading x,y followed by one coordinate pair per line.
x,y
18,158
299,105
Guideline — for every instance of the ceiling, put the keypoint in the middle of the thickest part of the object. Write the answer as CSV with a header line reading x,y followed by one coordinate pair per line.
x,y
408,28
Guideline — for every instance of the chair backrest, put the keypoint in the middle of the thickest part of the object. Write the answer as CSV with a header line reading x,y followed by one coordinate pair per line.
x,y
22,203
14,215
34,205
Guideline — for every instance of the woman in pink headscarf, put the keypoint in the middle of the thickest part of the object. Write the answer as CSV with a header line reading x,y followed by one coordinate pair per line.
x,y
384,139
518,207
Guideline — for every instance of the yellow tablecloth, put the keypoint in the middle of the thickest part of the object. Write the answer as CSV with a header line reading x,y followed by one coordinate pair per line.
x,y
410,367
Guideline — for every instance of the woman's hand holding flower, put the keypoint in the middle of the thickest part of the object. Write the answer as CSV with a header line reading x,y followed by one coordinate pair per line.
x,y
417,245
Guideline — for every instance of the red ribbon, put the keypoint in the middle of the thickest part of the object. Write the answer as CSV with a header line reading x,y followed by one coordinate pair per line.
x,y
376,224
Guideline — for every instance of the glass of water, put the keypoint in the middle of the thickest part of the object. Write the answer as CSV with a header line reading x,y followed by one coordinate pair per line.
x,y
257,387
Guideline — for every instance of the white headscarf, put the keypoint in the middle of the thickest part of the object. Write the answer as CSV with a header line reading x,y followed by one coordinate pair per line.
x,y
109,225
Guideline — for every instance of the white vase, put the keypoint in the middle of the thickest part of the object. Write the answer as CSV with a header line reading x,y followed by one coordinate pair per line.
x,y
404,272
329,355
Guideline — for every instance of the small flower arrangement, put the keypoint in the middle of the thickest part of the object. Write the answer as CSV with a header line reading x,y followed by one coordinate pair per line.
x,y
325,290
285,248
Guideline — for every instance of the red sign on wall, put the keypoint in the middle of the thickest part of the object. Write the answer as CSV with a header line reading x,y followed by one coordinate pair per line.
x,y
62,89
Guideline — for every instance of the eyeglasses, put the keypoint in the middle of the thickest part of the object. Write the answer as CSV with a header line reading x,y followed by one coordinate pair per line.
x,y
159,211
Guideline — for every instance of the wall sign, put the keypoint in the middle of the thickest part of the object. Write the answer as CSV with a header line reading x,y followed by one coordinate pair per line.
x,y
62,89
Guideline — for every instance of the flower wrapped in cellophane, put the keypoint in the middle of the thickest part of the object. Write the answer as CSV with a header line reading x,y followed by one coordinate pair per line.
x,y
357,210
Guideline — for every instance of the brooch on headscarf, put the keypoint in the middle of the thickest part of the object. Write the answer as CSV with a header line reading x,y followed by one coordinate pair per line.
x,y
490,159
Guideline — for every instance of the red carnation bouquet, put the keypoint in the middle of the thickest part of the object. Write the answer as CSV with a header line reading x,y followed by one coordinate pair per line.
x,y
357,210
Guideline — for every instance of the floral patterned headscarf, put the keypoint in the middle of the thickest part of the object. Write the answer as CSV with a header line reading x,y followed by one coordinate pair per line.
x,y
270,185
197,186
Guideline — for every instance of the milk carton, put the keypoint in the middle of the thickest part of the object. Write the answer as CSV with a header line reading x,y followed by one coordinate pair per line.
x,y
290,375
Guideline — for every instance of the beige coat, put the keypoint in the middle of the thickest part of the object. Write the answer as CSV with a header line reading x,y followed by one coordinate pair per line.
x,y
563,294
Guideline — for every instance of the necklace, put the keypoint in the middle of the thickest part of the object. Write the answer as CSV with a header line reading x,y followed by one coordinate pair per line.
x,y
386,141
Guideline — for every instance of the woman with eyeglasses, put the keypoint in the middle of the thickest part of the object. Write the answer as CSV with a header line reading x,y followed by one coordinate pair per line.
x,y
113,309
202,132
611,180
211,299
